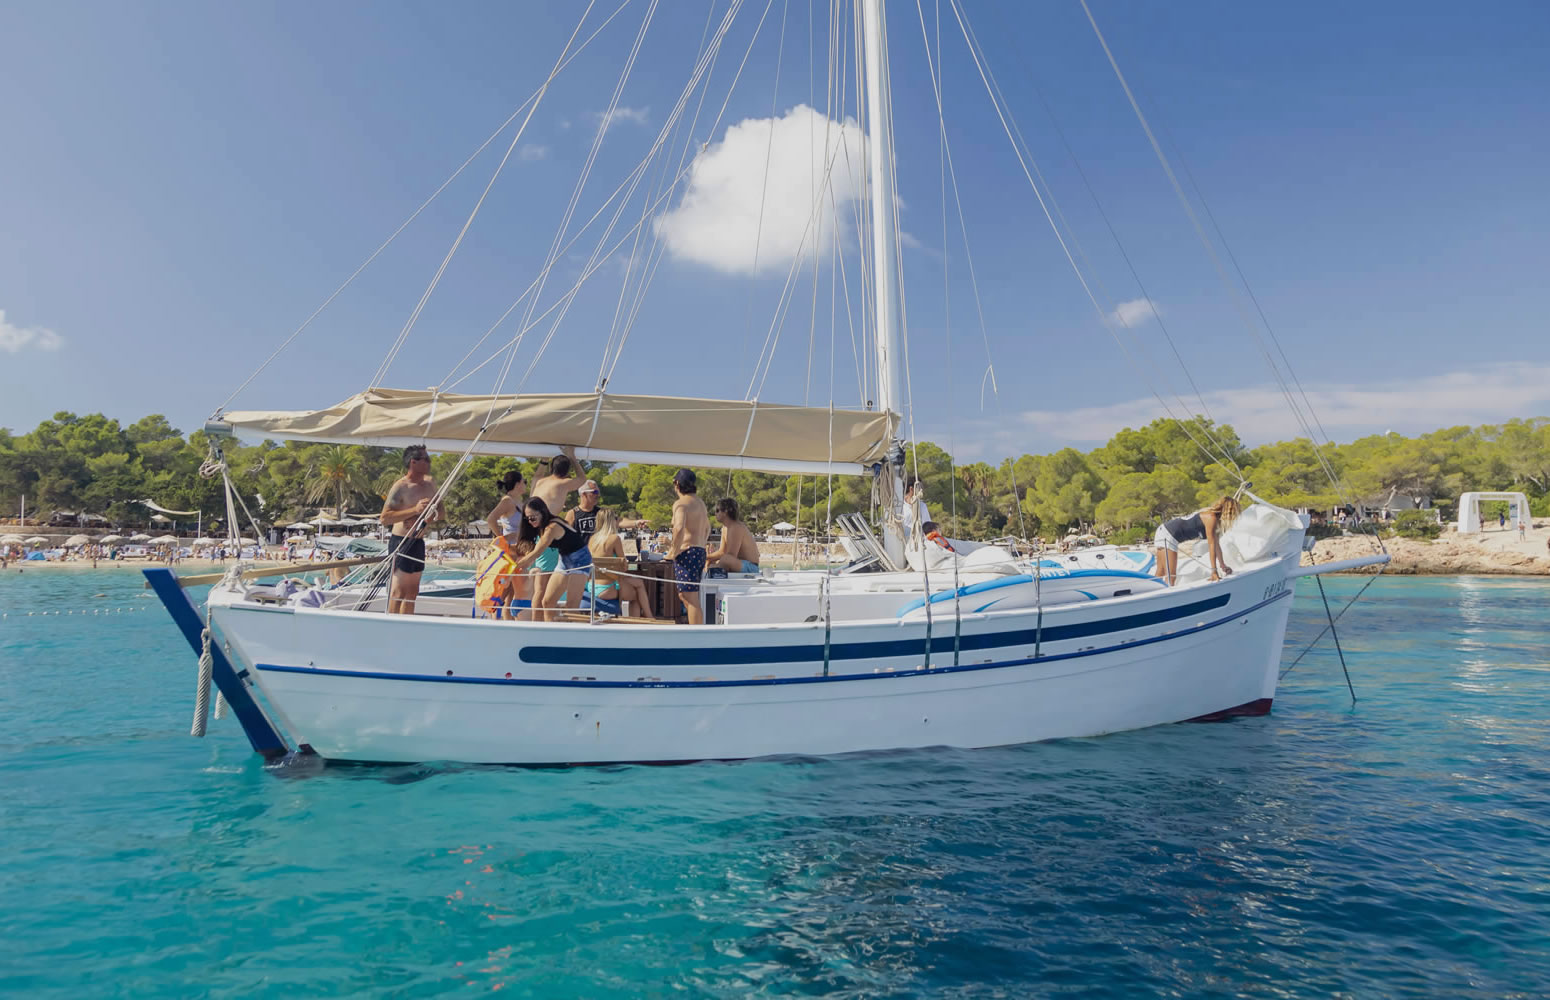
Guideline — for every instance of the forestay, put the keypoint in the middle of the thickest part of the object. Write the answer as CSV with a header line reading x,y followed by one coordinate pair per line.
x,y
603,427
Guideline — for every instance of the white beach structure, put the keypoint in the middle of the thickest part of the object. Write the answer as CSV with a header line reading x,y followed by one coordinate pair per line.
x,y
1469,509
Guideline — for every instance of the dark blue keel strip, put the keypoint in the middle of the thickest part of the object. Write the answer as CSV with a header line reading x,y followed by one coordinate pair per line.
x,y
260,731
915,647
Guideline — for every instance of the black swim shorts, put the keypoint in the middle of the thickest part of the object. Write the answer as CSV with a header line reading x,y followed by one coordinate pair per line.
x,y
408,554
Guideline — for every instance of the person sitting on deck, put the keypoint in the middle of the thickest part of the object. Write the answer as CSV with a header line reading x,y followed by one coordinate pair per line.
x,y
738,552
549,533
933,533
605,543
1208,523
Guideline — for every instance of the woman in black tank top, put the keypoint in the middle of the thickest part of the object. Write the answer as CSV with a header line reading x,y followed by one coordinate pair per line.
x,y
1209,523
544,530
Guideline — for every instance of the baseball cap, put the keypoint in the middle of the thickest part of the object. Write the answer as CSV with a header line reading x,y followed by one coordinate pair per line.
x,y
590,487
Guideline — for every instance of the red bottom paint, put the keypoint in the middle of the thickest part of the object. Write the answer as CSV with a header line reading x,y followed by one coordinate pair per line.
x,y
1259,706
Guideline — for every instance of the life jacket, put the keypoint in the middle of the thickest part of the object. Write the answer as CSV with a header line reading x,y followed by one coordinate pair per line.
x,y
496,580
936,536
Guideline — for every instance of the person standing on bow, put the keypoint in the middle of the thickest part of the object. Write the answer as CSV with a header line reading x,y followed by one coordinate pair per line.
x,y
1208,523
407,510
691,529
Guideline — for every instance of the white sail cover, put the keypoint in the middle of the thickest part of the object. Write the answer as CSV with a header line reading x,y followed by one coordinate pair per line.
x,y
719,433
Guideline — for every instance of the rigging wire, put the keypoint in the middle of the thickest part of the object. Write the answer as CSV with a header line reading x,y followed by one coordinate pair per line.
x,y
949,172
1118,244
623,192
413,215
403,335
613,350
1103,317
599,255
1210,248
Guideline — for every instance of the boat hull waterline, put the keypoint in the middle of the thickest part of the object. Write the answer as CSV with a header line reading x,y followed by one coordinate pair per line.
x,y
408,689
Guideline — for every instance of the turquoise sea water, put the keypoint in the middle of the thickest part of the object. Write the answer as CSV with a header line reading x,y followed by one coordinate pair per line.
x,y
1397,848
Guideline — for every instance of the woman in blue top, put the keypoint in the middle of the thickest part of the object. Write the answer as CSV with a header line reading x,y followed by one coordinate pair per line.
x,y
1209,524
546,532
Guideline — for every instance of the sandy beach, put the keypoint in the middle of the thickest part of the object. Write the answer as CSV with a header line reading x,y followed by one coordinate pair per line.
x,y
1493,552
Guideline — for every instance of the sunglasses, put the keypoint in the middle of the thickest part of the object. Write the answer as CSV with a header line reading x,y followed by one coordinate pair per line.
x,y
534,518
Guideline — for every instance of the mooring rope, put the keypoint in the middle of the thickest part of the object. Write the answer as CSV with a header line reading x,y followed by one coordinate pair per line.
x,y
202,686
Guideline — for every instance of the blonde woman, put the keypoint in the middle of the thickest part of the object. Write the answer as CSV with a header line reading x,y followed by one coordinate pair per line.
x,y
605,541
1208,523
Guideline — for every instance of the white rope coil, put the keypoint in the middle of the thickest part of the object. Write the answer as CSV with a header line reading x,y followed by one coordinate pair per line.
x,y
202,687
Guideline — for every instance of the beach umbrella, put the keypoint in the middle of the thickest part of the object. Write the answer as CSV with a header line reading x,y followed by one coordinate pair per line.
x,y
37,540
165,540
140,537
246,541
299,526
783,526
11,539
111,539
200,543
161,518
76,541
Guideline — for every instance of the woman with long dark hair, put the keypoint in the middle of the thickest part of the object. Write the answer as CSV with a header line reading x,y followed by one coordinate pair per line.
x,y
513,486
545,532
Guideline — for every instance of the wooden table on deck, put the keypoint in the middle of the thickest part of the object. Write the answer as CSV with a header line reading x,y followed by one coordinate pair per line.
x,y
661,589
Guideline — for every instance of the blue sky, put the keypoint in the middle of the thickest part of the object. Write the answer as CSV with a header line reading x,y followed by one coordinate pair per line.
x,y
183,184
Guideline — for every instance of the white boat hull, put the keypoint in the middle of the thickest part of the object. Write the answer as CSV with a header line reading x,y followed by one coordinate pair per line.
x,y
401,689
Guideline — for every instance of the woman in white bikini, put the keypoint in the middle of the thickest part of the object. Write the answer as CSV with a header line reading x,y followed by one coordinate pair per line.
x,y
1208,523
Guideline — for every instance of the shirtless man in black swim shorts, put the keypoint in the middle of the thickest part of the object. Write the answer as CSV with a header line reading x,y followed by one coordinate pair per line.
x,y
408,499
691,529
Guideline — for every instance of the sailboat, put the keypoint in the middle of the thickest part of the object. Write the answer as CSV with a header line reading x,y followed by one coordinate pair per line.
x,y
898,651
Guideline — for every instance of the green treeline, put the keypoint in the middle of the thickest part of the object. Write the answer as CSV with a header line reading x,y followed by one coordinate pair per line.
x,y
93,463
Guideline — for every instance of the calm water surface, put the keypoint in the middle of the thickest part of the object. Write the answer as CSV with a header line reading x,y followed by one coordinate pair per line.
x,y
1397,848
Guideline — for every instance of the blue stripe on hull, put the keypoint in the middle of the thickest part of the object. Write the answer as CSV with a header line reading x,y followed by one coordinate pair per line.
x,y
913,647
577,656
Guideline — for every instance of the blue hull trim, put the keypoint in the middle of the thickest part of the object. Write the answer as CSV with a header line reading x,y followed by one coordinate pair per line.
x,y
261,734
773,681
570,656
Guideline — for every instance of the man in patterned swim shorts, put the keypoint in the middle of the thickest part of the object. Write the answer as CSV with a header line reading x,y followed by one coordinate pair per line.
x,y
691,529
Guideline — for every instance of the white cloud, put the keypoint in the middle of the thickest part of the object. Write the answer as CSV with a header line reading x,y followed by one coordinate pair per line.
x,y
741,217
1135,312
532,151
1260,413
17,338
629,116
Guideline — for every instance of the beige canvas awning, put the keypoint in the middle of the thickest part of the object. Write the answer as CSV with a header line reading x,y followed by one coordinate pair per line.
x,y
602,427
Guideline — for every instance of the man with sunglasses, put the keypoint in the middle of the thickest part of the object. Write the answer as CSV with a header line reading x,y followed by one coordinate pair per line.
x,y
408,510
